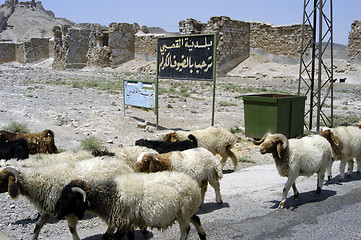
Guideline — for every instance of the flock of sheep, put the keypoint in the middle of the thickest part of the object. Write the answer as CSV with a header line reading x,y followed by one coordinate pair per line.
x,y
154,183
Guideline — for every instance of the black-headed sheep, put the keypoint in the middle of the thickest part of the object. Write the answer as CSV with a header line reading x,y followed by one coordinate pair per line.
x,y
346,145
199,163
14,149
218,140
164,147
298,157
136,200
42,185
42,142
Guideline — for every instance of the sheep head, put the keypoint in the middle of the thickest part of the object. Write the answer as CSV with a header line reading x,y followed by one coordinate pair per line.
x,y
328,134
152,162
73,200
273,143
332,139
171,137
9,177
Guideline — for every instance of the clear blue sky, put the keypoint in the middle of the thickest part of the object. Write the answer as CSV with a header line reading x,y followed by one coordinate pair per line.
x,y
167,14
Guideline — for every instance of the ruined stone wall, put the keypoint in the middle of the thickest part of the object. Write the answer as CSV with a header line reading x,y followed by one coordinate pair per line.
x,y
277,40
36,49
99,50
70,47
146,46
121,43
20,53
233,44
354,40
31,51
7,52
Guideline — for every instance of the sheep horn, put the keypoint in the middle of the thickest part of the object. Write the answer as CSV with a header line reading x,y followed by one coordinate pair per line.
x,y
79,190
283,138
260,141
13,171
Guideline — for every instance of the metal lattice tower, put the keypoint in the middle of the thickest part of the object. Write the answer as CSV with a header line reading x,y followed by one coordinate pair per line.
x,y
316,70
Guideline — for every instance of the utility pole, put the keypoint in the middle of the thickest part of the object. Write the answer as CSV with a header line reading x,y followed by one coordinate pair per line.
x,y
316,67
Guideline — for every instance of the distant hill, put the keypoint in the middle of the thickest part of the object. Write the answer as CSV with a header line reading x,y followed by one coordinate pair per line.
x,y
20,21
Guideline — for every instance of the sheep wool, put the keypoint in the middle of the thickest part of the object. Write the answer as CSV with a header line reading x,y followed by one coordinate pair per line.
x,y
298,157
42,185
141,200
46,159
130,154
217,140
199,163
345,143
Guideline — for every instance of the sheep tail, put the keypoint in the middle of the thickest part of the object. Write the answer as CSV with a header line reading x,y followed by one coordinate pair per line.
x,y
192,138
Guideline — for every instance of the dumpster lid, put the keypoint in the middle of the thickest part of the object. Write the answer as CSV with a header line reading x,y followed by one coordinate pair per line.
x,y
271,97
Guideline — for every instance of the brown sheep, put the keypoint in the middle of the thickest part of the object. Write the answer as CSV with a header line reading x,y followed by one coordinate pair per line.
x,y
42,142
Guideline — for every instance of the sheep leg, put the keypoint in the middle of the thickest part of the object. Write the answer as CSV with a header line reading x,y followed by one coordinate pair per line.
x,y
289,183
120,233
342,170
296,194
215,184
320,178
204,185
72,222
233,157
184,229
358,160
223,161
197,224
329,172
44,218
107,235
350,167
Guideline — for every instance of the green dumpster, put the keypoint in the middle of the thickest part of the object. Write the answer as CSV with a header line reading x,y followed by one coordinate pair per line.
x,y
273,113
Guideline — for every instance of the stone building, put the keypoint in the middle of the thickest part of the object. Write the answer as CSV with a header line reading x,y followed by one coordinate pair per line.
x,y
233,39
28,52
354,41
7,52
121,43
277,40
70,47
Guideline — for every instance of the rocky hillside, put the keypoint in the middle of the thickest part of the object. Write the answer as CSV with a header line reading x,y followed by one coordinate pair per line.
x,y
20,21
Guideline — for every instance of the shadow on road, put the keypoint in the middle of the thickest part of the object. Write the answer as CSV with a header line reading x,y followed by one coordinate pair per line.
x,y
307,197
212,206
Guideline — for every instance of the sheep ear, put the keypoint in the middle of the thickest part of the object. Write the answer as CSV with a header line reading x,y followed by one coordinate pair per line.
x,y
13,188
153,166
279,149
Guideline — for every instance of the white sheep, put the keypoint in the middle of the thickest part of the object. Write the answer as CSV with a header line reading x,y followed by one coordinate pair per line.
x,y
218,140
135,200
130,154
199,163
45,159
298,157
42,185
346,145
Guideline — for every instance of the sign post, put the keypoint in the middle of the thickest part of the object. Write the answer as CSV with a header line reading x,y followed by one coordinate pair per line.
x,y
191,57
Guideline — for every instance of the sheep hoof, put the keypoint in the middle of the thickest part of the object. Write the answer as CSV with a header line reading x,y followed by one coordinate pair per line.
x,y
341,179
296,196
220,202
318,191
282,204
329,178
